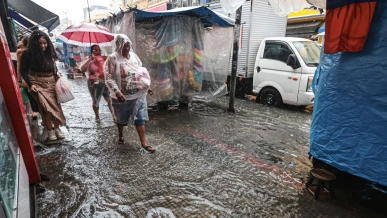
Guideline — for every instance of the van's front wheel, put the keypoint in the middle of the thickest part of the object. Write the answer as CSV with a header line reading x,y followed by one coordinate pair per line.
x,y
270,97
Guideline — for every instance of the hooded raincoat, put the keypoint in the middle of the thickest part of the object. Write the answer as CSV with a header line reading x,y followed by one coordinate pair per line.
x,y
127,76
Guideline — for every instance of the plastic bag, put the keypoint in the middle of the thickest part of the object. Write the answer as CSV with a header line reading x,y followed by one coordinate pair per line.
x,y
63,90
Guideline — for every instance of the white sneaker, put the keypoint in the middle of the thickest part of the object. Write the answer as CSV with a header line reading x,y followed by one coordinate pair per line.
x,y
51,135
59,134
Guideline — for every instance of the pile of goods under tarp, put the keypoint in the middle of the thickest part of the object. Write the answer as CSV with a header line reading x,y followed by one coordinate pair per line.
x,y
184,58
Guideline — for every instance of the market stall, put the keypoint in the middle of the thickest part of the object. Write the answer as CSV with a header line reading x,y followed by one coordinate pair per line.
x,y
187,51
350,111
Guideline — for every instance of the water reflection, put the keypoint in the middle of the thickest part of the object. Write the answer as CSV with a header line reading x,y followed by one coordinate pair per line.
x,y
208,164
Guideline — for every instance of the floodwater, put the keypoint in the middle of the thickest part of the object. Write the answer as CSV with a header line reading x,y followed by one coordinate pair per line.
x,y
208,163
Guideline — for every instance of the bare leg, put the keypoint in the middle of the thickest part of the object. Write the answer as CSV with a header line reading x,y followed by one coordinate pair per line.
x,y
109,101
96,111
120,134
110,105
141,134
120,131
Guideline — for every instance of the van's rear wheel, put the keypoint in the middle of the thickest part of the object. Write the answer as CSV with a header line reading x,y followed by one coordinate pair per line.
x,y
270,97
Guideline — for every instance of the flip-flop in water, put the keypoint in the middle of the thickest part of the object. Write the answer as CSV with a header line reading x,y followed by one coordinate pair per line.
x,y
121,141
148,150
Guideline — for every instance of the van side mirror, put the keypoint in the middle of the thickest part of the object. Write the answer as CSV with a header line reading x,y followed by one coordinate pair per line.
x,y
292,61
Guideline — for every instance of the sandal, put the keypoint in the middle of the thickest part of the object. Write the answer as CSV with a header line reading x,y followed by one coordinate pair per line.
x,y
121,141
148,149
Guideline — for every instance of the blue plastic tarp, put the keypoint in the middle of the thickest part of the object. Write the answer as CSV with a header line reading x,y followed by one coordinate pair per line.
x,y
321,29
206,14
349,128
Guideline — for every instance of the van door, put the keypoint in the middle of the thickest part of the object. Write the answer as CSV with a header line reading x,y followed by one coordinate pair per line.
x,y
274,71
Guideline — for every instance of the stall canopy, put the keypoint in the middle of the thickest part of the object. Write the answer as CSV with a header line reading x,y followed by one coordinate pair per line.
x,y
185,59
207,15
22,25
20,19
35,12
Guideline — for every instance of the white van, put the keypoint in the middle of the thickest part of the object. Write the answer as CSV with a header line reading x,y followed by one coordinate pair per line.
x,y
284,70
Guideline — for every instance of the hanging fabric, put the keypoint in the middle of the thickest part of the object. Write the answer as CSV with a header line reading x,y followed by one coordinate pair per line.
x,y
347,25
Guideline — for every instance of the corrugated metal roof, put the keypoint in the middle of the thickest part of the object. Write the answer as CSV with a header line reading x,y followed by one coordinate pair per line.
x,y
306,29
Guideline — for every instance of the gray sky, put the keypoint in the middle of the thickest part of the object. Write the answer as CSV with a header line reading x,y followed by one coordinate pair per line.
x,y
73,8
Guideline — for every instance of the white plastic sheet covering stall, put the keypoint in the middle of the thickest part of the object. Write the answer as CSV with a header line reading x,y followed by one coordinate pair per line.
x,y
284,7
186,51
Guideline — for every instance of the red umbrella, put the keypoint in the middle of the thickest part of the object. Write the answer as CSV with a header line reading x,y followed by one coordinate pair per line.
x,y
87,34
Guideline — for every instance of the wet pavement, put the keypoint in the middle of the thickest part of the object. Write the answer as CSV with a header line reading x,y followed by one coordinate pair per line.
x,y
208,163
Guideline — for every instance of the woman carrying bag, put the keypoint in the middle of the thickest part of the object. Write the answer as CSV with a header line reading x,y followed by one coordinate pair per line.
x,y
129,84
37,67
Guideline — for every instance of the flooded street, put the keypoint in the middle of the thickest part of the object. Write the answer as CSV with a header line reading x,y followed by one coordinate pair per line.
x,y
208,163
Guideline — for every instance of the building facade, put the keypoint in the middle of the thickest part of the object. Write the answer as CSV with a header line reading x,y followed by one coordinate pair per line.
x,y
97,12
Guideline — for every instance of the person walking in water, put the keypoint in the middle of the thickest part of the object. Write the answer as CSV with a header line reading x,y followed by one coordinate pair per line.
x,y
129,84
37,67
93,65
21,47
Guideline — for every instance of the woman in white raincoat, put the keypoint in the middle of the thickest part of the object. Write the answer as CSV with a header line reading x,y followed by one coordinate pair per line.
x,y
129,84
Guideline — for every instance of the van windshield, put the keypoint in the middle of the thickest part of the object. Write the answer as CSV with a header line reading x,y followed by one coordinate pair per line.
x,y
309,52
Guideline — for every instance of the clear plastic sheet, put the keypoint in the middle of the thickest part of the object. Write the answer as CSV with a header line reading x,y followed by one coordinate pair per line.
x,y
184,59
173,48
127,27
114,23
217,54
121,23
